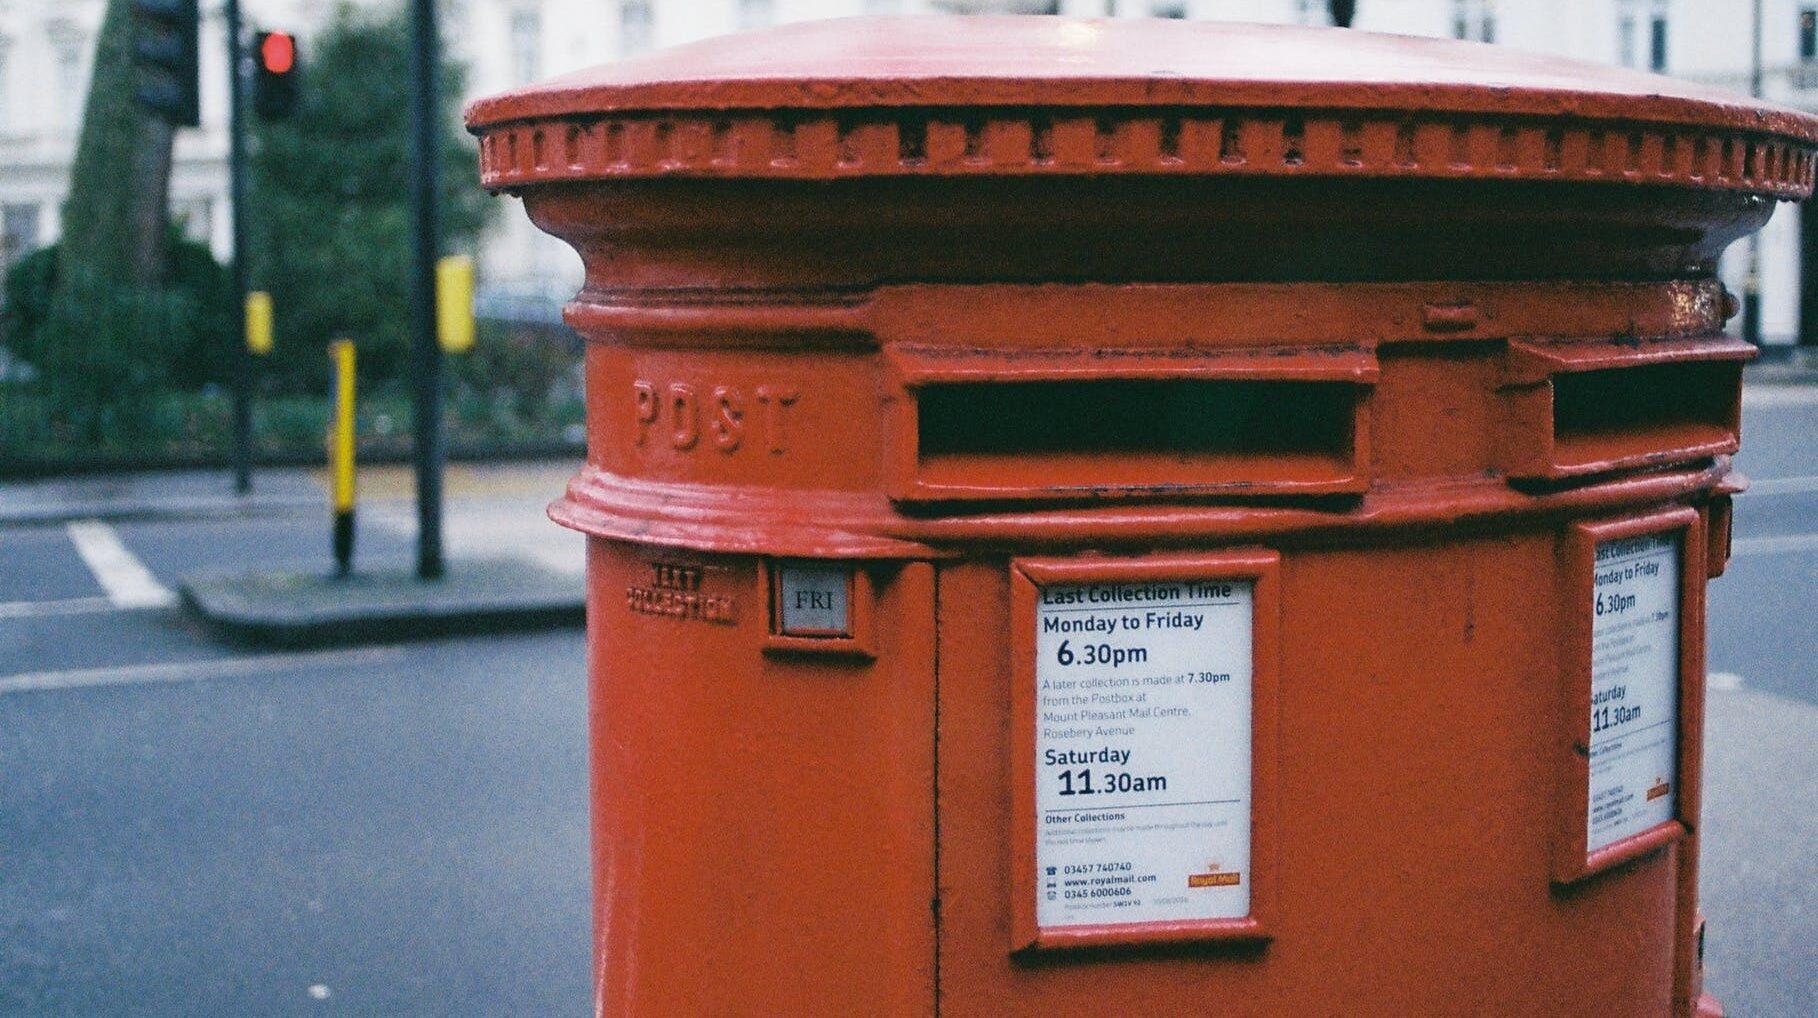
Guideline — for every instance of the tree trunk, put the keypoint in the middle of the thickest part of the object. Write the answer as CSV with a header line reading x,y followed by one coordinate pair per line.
x,y
115,219
151,205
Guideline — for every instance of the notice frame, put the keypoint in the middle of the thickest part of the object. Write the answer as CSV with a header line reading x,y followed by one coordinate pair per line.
x,y
1261,568
1573,858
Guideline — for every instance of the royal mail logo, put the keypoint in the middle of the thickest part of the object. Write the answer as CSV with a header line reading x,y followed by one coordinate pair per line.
x,y
1214,879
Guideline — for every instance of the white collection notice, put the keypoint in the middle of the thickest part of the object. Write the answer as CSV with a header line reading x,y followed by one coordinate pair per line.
x,y
1142,752
1634,687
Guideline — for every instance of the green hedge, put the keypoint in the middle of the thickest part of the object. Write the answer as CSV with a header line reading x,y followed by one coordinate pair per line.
x,y
197,427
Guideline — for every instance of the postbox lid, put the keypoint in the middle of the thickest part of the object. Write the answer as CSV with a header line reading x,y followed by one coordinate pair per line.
x,y
1019,95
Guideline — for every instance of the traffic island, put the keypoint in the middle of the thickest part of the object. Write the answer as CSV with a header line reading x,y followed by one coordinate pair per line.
x,y
315,609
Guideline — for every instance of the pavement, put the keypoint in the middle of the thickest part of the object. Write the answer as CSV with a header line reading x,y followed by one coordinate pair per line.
x,y
171,495
1761,804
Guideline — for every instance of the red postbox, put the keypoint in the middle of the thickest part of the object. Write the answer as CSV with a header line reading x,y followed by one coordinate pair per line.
x,y
1125,517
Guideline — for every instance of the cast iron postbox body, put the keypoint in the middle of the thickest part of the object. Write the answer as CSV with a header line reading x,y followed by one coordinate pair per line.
x,y
1120,517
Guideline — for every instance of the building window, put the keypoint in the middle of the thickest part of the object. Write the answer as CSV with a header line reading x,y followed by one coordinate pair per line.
x,y
1175,11
1625,35
197,218
1474,19
756,13
66,47
6,91
526,45
454,14
1657,37
1328,12
18,234
1020,6
637,26
1632,18
1808,33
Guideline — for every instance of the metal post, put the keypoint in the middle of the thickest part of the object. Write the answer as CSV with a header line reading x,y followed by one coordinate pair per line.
x,y
1755,57
427,355
236,193
341,452
1751,284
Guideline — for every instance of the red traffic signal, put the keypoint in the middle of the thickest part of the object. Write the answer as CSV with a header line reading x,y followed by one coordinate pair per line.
x,y
277,52
274,74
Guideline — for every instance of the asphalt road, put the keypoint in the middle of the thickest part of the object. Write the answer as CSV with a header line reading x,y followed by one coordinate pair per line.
x,y
190,829
1764,610
391,831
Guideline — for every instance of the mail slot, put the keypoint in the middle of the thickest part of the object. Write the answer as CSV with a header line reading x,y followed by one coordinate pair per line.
x,y
1141,517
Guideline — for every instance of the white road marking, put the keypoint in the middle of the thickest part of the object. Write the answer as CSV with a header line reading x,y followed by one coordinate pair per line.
x,y
1779,545
125,579
67,606
1783,486
1723,682
196,671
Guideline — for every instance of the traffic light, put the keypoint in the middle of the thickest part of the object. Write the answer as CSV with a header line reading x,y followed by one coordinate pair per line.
x,y
274,74
164,51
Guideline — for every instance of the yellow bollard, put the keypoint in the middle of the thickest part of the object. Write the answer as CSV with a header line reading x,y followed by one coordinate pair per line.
x,y
258,323
341,453
454,303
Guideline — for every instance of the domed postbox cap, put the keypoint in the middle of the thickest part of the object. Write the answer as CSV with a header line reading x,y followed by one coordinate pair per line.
x,y
1010,96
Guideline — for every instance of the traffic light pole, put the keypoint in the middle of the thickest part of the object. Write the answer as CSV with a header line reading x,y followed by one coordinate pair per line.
x,y
426,353
1751,283
236,184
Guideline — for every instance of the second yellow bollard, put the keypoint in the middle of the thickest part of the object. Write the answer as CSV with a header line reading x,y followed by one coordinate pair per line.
x,y
341,453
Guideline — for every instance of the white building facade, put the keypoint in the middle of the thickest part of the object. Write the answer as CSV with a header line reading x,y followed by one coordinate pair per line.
x,y
46,47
